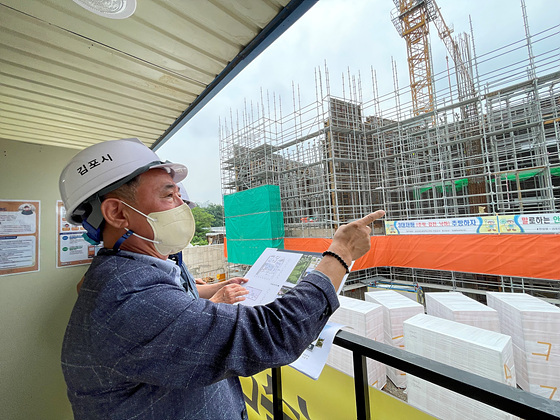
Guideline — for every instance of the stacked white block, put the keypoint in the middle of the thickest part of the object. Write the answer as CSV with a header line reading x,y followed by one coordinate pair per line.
x,y
396,309
365,319
460,308
534,326
482,352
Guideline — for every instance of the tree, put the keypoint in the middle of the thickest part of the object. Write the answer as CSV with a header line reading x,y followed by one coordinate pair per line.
x,y
216,210
203,221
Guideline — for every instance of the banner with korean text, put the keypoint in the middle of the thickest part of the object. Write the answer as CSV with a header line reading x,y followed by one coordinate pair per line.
x,y
501,224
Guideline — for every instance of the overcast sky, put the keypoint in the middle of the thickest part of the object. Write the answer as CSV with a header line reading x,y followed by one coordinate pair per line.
x,y
350,36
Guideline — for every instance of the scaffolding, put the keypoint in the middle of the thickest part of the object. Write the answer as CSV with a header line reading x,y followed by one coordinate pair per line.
x,y
335,160
318,155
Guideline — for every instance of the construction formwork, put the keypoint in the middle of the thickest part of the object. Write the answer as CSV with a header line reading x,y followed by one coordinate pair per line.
x,y
318,156
494,151
431,171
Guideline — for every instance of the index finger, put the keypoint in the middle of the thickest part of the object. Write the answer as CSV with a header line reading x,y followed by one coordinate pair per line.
x,y
371,217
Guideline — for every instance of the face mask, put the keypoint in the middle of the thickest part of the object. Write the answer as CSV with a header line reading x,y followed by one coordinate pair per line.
x,y
173,229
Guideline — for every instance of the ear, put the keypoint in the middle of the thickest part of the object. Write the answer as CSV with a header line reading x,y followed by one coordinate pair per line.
x,y
113,213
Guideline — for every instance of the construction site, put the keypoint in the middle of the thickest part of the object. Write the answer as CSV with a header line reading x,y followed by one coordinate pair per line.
x,y
479,139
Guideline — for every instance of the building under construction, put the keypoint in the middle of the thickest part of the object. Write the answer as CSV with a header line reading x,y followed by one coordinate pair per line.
x,y
486,142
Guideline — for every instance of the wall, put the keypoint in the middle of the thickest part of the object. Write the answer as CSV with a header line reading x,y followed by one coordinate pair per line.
x,y
35,307
205,261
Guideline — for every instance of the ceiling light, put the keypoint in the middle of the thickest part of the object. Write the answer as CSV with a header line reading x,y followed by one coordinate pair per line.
x,y
113,9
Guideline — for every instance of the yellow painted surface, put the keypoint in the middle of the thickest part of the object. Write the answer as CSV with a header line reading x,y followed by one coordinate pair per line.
x,y
330,397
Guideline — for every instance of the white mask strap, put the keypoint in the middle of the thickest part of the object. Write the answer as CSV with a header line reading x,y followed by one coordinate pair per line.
x,y
147,217
142,237
138,211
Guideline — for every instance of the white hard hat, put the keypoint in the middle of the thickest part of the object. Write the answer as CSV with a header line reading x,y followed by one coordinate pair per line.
x,y
104,167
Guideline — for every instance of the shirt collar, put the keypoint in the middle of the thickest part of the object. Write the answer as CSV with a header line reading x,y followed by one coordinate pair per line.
x,y
168,266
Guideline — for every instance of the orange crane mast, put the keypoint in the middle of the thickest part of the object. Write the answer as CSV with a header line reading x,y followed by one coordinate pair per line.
x,y
411,19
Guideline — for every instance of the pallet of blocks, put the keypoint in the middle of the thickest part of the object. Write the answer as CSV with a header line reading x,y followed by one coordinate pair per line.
x,y
365,319
482,352
534,326
396,309
457,307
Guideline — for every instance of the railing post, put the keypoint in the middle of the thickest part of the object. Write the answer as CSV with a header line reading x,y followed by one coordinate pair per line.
x,y
361,386
277,406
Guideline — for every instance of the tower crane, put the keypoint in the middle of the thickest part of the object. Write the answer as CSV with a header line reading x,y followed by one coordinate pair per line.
x,y
411,19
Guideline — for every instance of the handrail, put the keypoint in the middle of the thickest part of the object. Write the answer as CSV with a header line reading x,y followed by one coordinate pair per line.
x,y
498,395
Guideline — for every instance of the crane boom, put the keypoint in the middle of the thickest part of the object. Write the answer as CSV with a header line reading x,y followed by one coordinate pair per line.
x,y
465,83
411,19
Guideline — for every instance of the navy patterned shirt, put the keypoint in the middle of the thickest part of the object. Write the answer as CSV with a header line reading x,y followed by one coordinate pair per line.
x,y
138,347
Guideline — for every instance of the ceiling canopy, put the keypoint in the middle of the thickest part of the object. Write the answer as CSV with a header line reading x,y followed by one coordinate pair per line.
x,y
70,77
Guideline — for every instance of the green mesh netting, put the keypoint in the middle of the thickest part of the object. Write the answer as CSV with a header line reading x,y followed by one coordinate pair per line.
x,y
459,184
523,175
254,221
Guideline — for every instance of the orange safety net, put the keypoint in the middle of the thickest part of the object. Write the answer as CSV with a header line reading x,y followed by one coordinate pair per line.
x,y
523,255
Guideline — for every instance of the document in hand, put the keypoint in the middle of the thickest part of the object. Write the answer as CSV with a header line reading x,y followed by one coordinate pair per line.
x,y
313,359
277,271
274,273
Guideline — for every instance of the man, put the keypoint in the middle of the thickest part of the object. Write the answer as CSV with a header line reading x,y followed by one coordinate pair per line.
x,y
138,346
229,291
